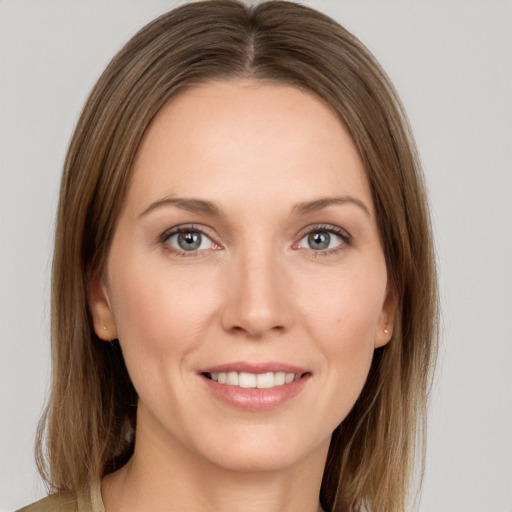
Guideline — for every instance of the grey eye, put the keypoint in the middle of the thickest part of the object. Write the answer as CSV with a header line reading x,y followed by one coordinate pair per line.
x,y
190,241
320,240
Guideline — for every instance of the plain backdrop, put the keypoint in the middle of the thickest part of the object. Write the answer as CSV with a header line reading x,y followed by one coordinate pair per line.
x,y
451,62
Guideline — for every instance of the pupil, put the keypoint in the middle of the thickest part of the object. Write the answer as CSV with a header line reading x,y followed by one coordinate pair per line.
x,y
319,240
189,241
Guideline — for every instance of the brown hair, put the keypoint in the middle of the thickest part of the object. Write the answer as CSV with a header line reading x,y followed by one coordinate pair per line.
x,y
89,424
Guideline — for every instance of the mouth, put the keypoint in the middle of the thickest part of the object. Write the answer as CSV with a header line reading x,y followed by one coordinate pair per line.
x,y
247,380
255,387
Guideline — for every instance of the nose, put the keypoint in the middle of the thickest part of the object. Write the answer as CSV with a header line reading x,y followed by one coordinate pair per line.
x,y
258,299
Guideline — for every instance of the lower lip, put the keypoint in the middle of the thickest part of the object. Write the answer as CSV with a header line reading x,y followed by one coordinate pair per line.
x,y
256,399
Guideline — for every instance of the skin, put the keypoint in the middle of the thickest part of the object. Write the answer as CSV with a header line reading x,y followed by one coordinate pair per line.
x,y
256,291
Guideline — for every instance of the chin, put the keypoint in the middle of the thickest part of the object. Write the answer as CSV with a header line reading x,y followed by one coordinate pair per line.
x,y
258,448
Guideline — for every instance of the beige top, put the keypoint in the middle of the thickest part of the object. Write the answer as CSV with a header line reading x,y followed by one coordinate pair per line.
x,y
69,502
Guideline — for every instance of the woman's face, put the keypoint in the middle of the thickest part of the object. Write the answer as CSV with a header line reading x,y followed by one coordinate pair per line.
x,y
247,251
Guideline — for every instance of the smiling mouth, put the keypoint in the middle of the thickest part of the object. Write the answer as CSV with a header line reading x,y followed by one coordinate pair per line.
x,y
248,380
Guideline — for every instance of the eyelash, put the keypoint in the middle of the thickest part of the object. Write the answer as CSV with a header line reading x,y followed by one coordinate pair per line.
x,y
317,228
184,228
327,228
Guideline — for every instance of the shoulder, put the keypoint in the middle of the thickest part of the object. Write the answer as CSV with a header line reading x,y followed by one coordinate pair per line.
x,y
87,501
58,502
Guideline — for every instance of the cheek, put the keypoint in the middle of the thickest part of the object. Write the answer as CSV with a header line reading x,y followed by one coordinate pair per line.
x,y
347,308
343,322
159,314
348,347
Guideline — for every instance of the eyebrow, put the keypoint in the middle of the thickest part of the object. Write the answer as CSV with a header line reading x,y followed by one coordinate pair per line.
x,y
201,206
189,204
324,202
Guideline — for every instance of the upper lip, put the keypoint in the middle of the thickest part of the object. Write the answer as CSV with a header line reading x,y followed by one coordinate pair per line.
x,y
257,368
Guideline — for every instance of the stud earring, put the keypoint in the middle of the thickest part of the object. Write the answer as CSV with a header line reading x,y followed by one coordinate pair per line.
x,y
104,328
386,331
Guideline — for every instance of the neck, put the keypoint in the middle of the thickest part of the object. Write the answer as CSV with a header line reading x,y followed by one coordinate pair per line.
x,y
165,476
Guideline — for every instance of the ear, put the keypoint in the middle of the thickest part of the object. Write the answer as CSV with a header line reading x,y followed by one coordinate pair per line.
x,y
386,322
101,311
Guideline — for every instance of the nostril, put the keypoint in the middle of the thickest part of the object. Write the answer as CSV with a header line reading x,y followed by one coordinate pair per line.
x,y
257,332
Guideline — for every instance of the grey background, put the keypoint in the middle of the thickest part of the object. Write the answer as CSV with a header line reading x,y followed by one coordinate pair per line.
x,y
450,60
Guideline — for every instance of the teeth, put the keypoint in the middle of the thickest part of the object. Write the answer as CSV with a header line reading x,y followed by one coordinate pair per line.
x,y
252,380
279,378
247,380
265,380
232,379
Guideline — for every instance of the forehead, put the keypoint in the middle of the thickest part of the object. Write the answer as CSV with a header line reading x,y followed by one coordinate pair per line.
x,y
249,138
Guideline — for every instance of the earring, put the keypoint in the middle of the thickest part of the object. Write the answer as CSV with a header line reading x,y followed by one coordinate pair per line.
x,y
104,328
386,331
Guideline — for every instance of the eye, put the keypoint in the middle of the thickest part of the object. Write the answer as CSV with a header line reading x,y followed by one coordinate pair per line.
x,y
189,240
323,240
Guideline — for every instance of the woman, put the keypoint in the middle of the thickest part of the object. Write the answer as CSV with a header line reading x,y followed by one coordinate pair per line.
x,y
244,299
